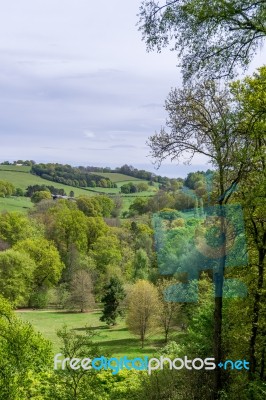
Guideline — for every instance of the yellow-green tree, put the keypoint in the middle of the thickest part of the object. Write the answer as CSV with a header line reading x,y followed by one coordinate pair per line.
x,y
143,309
16,276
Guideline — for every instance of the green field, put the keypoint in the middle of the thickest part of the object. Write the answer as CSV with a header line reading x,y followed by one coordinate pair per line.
x,y
15,204
21,177
116,341
22,180
16,168
115,177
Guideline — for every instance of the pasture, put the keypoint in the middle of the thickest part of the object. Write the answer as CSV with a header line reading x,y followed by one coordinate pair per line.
x,y
24,179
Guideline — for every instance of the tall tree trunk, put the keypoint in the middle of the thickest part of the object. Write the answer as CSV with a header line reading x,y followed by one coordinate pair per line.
x,y
218,318
218,304
255,318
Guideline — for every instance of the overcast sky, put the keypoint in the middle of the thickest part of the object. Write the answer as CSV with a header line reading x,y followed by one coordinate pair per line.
x,y
76,83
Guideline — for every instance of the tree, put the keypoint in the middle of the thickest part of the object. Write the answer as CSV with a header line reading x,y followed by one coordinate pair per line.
x,y
113,296
47,259
211,38
142,187
160,200
89,206
168,307
252,106
75,384
183,201
196,208
40,195
139,205
202,121
81,291
143,308
141,265
19,192
118,203
16,276
15,226
106,251
24,357
68,226
6,189
106,205
129,188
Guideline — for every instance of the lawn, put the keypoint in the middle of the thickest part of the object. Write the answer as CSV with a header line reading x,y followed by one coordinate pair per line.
x,y
115,341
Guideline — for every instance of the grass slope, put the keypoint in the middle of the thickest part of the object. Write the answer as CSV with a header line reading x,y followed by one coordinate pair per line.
x,y
116,177
15,204
116,341
15,168
21,177
24,179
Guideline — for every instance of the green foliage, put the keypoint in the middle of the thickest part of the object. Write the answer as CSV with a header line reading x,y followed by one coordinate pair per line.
x,y
24,179
70,227
141,265
89,206
114,294
40,195
169,214
106,205
46,258
193,178
15,226
139,205
129,188
79,384
95,206
39,298
169,310
6,189
24,357
32,189
16,276
106,251
69,175
160,200
143,309
211,38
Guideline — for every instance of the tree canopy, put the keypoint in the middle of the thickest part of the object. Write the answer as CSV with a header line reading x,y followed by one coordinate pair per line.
x,y
211,37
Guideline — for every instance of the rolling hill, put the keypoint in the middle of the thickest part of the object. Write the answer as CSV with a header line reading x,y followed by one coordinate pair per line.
x,y
21,177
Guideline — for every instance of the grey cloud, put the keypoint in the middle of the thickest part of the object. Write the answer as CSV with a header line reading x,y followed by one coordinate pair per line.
x,y
67,69
123,146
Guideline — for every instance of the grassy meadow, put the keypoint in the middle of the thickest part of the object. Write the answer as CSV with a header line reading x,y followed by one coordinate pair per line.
x,y
22,204
15,168
114,341
23,179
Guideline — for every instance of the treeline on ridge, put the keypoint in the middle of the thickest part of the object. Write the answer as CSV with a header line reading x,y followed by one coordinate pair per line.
x,y
72,176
